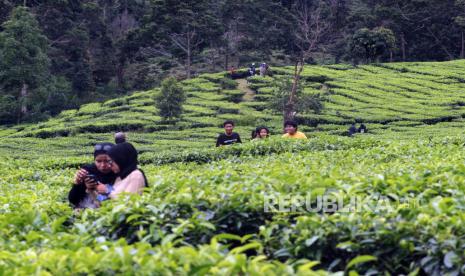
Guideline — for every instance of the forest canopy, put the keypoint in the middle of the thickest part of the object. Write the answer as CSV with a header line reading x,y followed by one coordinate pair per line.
x,y
58,54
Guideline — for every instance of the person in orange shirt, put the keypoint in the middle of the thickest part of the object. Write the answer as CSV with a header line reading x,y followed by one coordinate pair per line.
x,y
290,127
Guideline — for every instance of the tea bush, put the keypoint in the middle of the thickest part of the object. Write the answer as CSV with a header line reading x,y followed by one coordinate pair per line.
x,y
216,211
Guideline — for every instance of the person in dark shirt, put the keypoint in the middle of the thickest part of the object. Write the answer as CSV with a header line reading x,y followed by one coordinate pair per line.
x,y
120,137
228,137
252,70
83,193
352,130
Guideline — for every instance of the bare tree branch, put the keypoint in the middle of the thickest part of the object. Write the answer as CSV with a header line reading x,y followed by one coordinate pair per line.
x,y
310,28
159,50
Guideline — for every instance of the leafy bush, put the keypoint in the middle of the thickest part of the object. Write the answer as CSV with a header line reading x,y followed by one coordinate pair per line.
x,y
169,101
304,102
227,83
204,214
234,96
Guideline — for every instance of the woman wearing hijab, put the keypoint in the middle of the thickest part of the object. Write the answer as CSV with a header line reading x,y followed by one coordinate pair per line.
x,y
83,193
129,179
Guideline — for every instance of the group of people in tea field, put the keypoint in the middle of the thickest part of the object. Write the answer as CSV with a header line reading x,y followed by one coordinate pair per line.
x,y
230,137
115,168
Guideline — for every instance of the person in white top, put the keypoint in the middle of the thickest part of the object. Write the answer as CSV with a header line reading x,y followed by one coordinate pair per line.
x,y
129,179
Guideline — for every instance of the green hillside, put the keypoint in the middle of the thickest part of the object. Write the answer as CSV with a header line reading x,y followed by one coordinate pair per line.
x,y
394,100
204,212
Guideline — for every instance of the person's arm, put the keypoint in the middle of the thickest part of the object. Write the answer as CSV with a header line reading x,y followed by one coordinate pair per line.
x,y
78,191
79,176
239,138
103,191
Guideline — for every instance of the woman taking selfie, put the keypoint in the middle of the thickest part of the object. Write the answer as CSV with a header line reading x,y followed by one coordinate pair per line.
x,y
83,193
129,179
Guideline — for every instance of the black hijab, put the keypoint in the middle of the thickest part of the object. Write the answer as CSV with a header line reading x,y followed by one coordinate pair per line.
x,y
125,156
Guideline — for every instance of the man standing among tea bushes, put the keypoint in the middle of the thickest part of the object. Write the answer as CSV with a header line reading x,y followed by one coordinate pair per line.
x,y
228,137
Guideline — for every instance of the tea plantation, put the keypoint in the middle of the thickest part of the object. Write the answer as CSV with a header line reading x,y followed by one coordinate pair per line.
x,y
219,211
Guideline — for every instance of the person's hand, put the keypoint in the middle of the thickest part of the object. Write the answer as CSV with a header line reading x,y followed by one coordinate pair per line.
x,y
91,184
102,189
80,176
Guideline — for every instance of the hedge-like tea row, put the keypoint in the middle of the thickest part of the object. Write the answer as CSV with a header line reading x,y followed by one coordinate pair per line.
x,y
205,210
189,207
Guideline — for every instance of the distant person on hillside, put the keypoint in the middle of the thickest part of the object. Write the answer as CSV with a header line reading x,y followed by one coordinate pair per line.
x,y
252,70
232,71
262,70
130,179
362,128
228,137
83,194
290,129
120,137
352,130
261,132
267,71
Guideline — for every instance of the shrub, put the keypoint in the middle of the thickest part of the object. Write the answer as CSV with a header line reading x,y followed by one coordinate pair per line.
x,y
227,83
169,101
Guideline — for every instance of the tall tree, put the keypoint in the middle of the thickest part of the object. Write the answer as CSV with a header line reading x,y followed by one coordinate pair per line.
x,y
24,64
181,29
460,21
253,29
310,28
372,44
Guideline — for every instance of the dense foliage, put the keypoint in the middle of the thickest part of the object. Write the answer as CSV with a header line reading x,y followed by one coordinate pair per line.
x,y
98,49
425,99
205,212
26,85
209,218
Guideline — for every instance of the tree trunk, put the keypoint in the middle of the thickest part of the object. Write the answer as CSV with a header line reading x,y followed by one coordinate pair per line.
x,y
462,50
23,95
226,59
439,42
213,63
402,41
367,55
289,109
120,76
104,10
391,56
189,50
